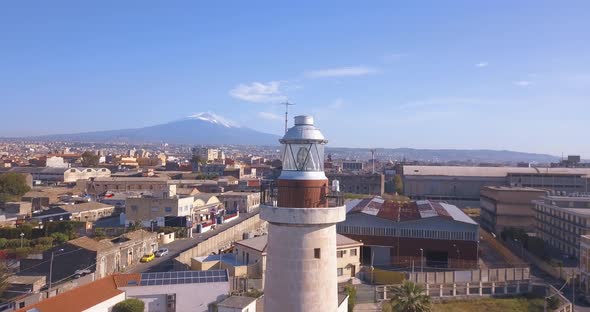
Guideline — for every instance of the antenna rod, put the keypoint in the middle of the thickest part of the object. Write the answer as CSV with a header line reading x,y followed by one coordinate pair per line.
x,y
287,104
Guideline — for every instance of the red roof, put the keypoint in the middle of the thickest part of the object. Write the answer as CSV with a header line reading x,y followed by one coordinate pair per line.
x,y
80,298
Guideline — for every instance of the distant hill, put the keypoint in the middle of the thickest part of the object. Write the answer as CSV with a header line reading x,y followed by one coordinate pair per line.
x,y
202,128
450,155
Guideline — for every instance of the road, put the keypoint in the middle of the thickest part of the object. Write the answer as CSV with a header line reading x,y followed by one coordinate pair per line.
x,y
539,276
166,263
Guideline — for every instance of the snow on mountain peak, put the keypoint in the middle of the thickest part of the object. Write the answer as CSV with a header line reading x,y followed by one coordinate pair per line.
x,y
214,119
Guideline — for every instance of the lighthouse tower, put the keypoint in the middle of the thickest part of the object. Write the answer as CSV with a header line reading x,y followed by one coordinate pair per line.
x,y
301,251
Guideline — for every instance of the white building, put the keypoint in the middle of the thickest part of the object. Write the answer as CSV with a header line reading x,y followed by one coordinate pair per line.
x,y
56,162
175,291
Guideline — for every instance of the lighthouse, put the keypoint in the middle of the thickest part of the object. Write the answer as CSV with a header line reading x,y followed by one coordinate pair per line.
x,y
302,214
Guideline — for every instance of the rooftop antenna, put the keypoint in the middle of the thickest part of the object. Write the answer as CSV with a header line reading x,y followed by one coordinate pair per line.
x,y
372,150
287,104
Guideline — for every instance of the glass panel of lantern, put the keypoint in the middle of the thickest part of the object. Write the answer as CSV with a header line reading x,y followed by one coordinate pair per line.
x,y
288,160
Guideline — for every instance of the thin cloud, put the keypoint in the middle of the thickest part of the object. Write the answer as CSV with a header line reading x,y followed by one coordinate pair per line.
x,y
523,83
440,102
258,92
350,71
337,103
482,64
269,116
393,57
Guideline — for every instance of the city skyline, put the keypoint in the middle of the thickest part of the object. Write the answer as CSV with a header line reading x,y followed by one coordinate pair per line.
x,y
502,75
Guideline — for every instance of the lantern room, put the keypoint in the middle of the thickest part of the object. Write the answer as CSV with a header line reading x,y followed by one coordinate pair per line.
x,y
302,182
303,147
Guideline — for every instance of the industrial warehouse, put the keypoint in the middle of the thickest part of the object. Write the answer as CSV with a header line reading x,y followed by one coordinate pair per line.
x,y
420,233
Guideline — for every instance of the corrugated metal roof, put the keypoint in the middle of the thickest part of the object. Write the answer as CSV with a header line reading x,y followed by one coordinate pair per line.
x,y
400,212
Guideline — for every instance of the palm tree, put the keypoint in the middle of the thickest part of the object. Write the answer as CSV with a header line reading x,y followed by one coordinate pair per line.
x,y
410,297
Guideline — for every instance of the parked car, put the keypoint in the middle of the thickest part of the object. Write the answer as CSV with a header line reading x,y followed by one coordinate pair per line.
x,y
80,273
148,257
162,252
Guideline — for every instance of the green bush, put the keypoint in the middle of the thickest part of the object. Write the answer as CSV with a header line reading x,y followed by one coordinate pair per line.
x,y
9,233
23,252
129,305
254,293
46,241
60,238
99,233
69,228
351,291
3,242
553,303
14,243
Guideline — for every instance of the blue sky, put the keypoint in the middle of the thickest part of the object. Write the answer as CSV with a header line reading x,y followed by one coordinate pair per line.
x,y
425,74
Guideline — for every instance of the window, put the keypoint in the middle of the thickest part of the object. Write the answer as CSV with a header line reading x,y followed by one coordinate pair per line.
x,y
340,271
316,253
340,253
168,209
353,252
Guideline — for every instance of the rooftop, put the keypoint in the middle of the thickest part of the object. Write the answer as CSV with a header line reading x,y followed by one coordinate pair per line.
x,y
513,189
85,207
406,211
88,243
25,279
466,171
49,212
78,299
236,302
132,179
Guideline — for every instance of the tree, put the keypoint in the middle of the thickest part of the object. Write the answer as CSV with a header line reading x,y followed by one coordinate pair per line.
x,y
12,186
90,159
351,291
399,184
410,297
129,305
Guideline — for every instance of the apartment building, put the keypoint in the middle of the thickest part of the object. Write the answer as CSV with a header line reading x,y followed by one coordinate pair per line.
x,y
508,207
146,210
243,202
561,220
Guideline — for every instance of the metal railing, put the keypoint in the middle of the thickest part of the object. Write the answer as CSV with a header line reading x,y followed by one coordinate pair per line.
x,y
269,194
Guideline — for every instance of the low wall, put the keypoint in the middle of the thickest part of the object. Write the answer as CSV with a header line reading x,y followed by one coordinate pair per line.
x,y
543,265
222,239
464,290
471,276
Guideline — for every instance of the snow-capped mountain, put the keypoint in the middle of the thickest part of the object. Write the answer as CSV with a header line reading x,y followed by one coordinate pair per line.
x,y
201,128
214,119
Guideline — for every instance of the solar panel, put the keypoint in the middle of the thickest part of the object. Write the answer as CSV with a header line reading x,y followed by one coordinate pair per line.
x,y
183,277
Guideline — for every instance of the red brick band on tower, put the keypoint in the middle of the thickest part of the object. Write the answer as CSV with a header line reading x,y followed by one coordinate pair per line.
x,y
302,193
